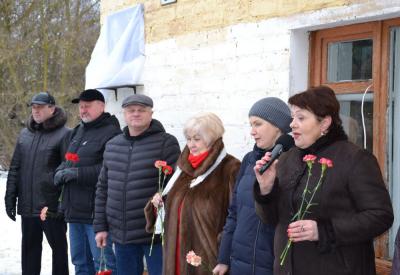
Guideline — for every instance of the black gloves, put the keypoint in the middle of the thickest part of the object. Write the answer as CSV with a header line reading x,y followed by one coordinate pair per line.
x,y
11,213
65,176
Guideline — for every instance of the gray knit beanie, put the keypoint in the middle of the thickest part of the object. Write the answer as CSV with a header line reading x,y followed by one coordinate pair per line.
x,y
273,110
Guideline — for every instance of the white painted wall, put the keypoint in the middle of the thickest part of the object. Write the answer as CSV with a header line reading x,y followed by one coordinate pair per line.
x,y
226,70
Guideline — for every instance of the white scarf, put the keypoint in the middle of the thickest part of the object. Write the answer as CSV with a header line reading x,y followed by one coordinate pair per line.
x,y
197,180
161,211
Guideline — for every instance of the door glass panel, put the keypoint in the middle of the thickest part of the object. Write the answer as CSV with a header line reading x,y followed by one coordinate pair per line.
x,y
394,133
350,113
350,60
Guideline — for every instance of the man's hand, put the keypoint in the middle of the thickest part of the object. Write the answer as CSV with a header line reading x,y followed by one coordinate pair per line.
x,y
11,213
101,239
65,176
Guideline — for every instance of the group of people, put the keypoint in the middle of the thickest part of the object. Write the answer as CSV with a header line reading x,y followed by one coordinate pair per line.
x,y
294,218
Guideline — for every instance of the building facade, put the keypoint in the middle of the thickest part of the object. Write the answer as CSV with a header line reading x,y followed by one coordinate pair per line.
x,y
222,56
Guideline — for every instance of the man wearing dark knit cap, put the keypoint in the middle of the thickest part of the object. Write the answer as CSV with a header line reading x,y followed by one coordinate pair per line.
x,y
78,175
127,181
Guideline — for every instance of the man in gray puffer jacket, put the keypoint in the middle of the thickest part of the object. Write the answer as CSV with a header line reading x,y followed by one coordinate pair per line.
x,y
38,152
127,181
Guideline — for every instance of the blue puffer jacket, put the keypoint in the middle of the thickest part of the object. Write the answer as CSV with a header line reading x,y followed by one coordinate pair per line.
x,y
247,243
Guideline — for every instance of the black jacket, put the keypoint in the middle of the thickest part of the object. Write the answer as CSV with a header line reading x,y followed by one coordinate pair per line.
x,y
128,179
37,154
351,208
87,140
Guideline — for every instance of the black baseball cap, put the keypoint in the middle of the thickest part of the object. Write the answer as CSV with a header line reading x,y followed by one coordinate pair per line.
x,y
89,95
43,98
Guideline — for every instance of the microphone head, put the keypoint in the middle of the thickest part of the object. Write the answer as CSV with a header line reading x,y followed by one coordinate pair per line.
x,y
286,141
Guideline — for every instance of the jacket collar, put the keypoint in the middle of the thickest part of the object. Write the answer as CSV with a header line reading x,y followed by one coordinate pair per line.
x,y
186,167
332,136
98,121
58,120
154,128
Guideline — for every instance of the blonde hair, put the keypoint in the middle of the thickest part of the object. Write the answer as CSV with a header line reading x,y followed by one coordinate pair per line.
x,y
207,125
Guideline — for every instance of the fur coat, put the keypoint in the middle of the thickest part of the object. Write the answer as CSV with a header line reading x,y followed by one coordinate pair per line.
x,y
203,211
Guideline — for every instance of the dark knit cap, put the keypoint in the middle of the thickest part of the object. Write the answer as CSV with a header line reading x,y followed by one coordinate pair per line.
x,y
273,110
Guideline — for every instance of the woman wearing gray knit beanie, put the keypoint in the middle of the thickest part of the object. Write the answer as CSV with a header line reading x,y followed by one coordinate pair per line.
x,y
247,243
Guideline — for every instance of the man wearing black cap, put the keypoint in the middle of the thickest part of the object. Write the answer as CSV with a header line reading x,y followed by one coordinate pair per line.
x,y
127,181
78,174
37,154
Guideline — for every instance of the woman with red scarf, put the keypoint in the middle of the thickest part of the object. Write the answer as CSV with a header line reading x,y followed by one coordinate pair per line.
x,y
196,199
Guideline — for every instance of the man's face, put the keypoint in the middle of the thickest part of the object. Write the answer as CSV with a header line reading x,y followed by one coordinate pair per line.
x,y
40,113
90,110
138,117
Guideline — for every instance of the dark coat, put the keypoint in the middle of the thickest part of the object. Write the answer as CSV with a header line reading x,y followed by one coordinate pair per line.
x,y
128,179
37,154
353,207
396,255
88,140
203,211
247,243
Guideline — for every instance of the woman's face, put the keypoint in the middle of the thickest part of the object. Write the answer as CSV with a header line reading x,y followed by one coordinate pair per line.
x,y
307,127
264,133
196,144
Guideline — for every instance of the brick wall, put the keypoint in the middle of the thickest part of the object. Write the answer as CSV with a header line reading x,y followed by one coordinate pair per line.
x,y
188,16
223,71
222,56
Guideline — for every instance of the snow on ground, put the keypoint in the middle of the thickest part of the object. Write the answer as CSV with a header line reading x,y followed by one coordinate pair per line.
x,y
10,242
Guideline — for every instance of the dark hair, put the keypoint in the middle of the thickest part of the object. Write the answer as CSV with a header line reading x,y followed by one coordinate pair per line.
x,y
321,101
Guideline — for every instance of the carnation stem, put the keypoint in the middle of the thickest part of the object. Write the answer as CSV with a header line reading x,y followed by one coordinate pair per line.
x,y
313,194
159,178
152,242
284,252
302,212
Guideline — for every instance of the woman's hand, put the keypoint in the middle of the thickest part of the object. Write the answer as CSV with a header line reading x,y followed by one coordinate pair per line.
x,y
157,200
266,180
303,230
220,269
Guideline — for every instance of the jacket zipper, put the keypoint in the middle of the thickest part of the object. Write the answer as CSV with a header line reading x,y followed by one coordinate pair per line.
x,y
254,248
32,167
124,191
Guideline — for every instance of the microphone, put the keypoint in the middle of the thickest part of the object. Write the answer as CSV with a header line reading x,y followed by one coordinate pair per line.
x,y
283,144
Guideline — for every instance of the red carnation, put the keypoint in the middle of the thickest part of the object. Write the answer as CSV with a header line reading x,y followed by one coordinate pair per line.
x,y
43,213
167,170
73,157
104,272
311,158
326,162
160,164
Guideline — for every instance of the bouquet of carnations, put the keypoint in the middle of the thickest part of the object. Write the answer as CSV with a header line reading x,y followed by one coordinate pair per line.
x,y
163,171
307,201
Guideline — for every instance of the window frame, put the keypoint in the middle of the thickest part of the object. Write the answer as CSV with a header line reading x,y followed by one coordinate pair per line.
x,y
379,32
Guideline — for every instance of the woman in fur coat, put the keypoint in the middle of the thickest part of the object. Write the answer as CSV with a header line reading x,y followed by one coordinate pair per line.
x,y
196,198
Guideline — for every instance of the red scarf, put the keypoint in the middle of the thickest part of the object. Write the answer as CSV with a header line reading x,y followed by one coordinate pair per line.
x,y
195,161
